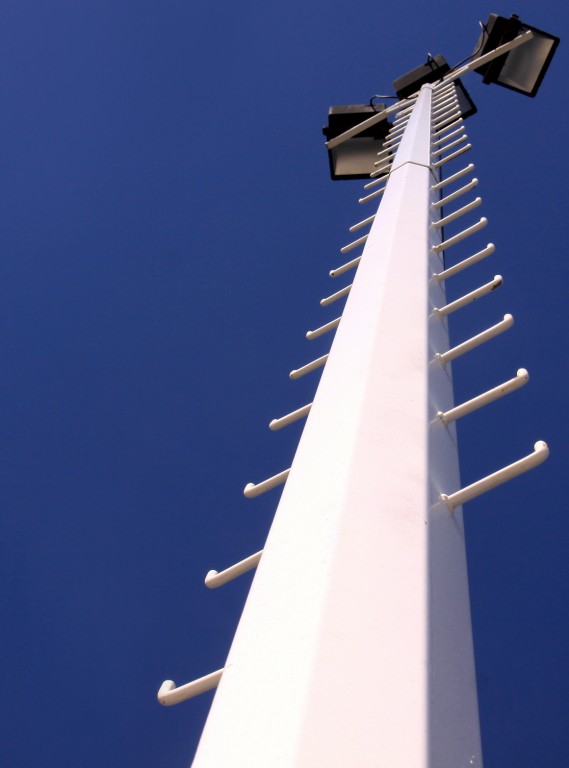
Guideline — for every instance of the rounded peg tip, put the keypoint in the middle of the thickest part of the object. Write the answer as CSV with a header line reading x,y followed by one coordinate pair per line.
x,y
166,687
210,575
249,490
498,280
509,319
521,373
541,447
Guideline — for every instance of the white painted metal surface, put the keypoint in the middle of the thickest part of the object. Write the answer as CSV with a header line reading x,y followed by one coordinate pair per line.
x,y
364,222
520,379
345,267
297,373
169,694
323,329
465,263
216,579
452,156
476,341
461,235
251,489
353,244
354,648
460,212
284,421
468,298
539,455
335,296
455,195
372,195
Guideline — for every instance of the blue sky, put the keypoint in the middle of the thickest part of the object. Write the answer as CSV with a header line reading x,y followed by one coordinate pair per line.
x,y
168,227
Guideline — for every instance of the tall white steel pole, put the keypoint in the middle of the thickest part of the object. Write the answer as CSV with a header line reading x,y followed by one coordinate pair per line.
x,y
354,647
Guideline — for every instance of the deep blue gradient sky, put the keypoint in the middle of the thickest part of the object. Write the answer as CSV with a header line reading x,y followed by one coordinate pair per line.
x,y
168,225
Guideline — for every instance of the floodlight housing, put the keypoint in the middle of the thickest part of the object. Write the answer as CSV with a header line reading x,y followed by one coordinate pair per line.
x,y
523,68
431,72
355,157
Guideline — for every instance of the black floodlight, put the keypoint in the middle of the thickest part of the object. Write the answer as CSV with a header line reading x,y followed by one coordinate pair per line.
x,y
431,72
355,157
523,68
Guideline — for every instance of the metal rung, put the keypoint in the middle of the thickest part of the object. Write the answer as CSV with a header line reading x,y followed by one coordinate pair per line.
x,y
374,174
385,168
443,96
457,214
449,119
461,236
401,116
438,90
345,267
169,694
476,341
468,298
371,195
395,137
335,296
452,101
392,142
454,177
364,222
450,122
251,490
388,152
521,378
323,329
375,182
539,455
452,113
216,579
354,244
459,130
298,373
290,418
458,153
440,97
385,178
455,195
453,144
488,251
405,112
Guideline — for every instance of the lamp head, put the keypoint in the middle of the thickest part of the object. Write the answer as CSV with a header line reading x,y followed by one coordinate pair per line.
x,y
355,157
523,68
431,72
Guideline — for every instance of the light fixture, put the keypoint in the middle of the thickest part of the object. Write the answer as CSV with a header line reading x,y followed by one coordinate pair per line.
x,y
431,72
523,68
355,157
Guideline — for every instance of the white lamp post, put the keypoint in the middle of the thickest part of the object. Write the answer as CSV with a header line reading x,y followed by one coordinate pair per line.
x,y
355,646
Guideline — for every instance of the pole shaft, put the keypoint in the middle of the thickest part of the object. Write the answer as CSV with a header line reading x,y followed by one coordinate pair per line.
x,y
354,647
